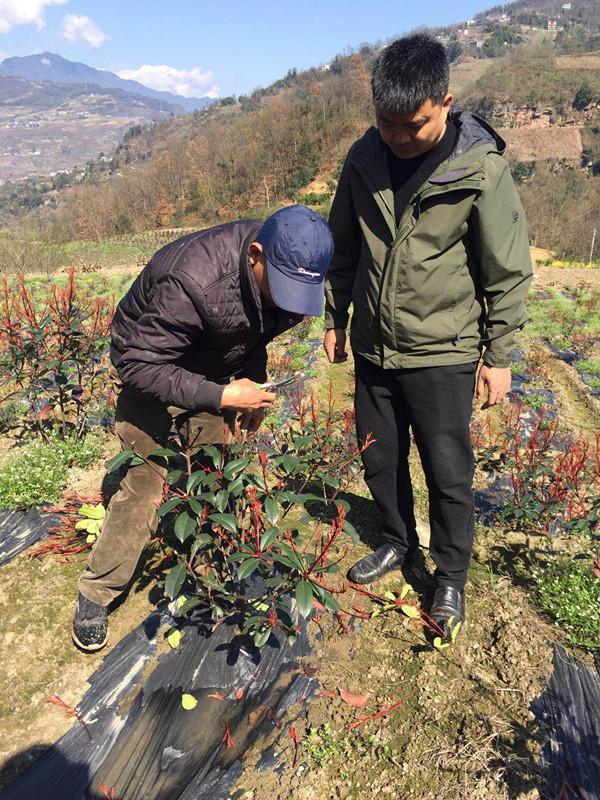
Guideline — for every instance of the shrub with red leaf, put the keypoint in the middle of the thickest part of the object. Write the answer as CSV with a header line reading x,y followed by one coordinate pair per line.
x,y
51,350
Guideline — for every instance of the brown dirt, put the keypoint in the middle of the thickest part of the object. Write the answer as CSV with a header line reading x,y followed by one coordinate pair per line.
x,y
543,144
561,277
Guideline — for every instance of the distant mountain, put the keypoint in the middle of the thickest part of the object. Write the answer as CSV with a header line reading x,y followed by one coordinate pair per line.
x,y
52,68
49,127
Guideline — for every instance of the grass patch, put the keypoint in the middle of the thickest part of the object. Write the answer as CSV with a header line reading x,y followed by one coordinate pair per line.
x,y
589,365
570,592
557,316
39,472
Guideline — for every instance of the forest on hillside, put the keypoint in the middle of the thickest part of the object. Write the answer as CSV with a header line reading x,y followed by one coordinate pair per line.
x,y
248,155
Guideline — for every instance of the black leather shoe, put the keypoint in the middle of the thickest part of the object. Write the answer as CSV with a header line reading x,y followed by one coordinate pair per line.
x,y
448,609
376,564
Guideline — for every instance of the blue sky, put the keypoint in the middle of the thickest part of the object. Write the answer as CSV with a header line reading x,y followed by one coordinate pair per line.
x,y
195,47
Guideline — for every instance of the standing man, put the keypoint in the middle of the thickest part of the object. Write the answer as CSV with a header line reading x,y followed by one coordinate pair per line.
x,y
432,251
189,348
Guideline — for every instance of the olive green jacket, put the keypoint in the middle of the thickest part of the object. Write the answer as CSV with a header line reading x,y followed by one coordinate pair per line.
x,y
451,277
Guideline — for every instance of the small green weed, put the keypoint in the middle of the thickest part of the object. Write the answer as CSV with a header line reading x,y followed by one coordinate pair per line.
x,y
589,365
38,473
323,745
570,592
534,400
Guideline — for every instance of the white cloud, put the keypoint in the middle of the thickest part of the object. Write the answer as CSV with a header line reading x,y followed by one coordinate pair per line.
x,y
24,12
186,82
75,28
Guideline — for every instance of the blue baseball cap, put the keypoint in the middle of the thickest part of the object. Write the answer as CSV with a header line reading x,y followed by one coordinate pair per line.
x,y
298,247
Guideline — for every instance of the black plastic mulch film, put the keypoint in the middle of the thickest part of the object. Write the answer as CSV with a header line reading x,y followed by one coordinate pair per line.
x,y
144,744
568,710
22,529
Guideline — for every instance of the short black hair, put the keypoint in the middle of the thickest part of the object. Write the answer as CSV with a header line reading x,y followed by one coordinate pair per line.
x,y
408,72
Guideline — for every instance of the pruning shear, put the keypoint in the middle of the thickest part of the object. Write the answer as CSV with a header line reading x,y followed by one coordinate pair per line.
x,y
278,384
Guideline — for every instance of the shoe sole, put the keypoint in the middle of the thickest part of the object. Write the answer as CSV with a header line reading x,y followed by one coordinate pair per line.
x,y
89,648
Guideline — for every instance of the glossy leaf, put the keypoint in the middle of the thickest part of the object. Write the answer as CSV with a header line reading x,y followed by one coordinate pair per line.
x,y
273,510
120,459
304,597
174,580
185,525
267,537
170,504
227,521
247,567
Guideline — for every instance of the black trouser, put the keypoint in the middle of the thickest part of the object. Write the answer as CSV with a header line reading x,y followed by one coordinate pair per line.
x,y
436,403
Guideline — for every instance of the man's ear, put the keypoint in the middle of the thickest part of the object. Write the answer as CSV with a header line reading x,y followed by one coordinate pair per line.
x,y
447,103
255,250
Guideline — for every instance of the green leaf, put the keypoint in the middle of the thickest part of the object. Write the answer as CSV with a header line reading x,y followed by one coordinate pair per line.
x,y
304,597
405,590
193,481
330,602
174,475
174,580
119,459
238,556
174,638
267,537
351,531
273,510
389,595
162,451
247,567
90,538
221,500
92,512
233,468
410,611
261,637
196,506
188,701
439,644
329,480
236,487
185,525
344,504
215,454
202,540
227,521
286,563
294,558
169,506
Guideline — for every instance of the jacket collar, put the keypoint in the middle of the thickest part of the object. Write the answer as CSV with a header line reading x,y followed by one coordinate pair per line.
x,y
474,141
250,292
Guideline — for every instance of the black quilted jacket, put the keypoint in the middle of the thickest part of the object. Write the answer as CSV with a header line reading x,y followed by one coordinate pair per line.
x,y
193,319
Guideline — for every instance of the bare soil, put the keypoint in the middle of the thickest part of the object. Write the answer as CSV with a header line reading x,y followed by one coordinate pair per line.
x,y
543,144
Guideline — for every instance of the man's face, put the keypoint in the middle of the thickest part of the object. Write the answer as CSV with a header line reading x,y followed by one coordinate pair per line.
x,y
411,135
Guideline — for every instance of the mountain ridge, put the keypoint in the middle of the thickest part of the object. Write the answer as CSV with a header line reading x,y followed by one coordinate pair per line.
x,y
50,67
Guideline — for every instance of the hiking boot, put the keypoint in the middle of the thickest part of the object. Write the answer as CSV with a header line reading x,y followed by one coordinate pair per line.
x,y
448,610
376,564
90,625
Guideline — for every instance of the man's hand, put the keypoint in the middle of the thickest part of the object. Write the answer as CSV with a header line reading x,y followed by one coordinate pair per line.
x,y
335,345
497,382
243,396
251,420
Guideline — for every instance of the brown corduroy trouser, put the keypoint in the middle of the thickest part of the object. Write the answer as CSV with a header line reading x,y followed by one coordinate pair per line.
x,y
142,425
